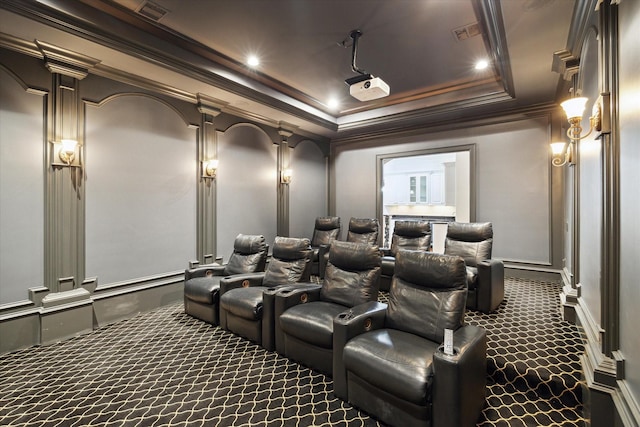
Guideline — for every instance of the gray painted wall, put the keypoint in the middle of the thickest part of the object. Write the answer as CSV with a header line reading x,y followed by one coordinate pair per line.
x,y
630,194
308,189
512,177
246,186
140,189
21,189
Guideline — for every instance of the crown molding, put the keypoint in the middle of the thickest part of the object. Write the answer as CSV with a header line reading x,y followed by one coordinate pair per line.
x,y
161,48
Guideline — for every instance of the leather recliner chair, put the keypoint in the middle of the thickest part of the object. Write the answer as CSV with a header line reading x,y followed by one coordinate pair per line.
x,y
304,317
361,230
202,284
247,300
326,230
389,359
413,235
485,276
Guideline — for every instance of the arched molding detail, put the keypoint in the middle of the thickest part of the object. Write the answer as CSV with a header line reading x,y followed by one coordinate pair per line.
x,y
273,136
323,148
22,83
110,98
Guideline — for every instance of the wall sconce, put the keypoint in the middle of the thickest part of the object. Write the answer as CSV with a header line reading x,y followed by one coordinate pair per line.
x,y
562,153
210,168
574,109
285,176
66,151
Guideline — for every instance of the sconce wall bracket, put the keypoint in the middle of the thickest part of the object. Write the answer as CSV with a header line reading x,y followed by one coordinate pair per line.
x,y
209,169
602,110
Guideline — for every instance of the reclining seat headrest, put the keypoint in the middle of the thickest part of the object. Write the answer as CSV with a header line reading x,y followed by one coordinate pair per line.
x,y
411,235
363,230
428,294
327,229
353,274
249,255
291,248
290,261
471,241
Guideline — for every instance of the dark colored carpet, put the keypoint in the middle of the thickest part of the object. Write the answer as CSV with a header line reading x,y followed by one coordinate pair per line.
x,y
164,368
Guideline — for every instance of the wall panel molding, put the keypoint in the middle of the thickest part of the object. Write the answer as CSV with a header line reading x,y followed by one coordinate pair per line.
x,y
27,324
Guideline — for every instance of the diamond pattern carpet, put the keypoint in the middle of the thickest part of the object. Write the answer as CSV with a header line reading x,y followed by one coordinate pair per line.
x,y
164,368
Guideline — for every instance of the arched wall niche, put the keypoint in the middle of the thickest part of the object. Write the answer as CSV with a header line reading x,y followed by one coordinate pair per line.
x,y
22,169
141,176
246,185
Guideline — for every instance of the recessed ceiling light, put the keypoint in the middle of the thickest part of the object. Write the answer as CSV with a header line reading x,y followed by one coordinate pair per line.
x,y
333,103
482,64
253,61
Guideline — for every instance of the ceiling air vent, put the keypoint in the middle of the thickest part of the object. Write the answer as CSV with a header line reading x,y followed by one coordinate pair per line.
x,y
153,11
466,32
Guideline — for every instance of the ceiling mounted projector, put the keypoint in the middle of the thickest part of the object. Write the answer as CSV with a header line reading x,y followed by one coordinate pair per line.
x,y
369,89
364,87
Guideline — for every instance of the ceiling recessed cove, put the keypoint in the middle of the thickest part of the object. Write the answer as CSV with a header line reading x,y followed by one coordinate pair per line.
x,y
152,10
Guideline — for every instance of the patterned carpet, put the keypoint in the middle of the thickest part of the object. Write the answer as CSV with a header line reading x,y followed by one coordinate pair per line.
x,y
164,368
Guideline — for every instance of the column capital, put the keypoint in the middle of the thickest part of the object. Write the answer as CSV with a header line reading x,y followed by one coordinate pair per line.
x,y
209,105
286,130
566,64
66,62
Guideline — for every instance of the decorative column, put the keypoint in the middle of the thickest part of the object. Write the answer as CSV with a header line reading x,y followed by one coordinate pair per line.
x,y
207,170
64,227
569,66
284,180
67,307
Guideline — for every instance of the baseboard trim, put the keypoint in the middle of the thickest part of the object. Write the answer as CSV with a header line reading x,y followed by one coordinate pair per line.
x,y
627,408
53,317
607,398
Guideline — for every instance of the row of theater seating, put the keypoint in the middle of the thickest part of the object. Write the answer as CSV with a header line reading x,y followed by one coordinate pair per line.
x,y
383,358
472,241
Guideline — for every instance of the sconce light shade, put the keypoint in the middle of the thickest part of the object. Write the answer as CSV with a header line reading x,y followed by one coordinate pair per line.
x,y
286,175
574,107
67,150
562,153
557,148
210,168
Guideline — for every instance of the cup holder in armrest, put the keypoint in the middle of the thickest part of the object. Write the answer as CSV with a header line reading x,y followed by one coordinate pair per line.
x,y
455,351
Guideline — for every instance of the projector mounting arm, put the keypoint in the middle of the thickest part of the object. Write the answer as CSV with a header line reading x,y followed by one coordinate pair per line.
x,y
355,35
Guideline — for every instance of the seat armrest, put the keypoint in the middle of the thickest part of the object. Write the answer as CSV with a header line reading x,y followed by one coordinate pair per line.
x,y
460,380
490,286
240,281
348,324
385,252
268,311
286,298
204,271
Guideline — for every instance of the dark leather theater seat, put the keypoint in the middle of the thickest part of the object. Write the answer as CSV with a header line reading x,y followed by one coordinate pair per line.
x,y
202,284
485,276
246,300
388,359
304,318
